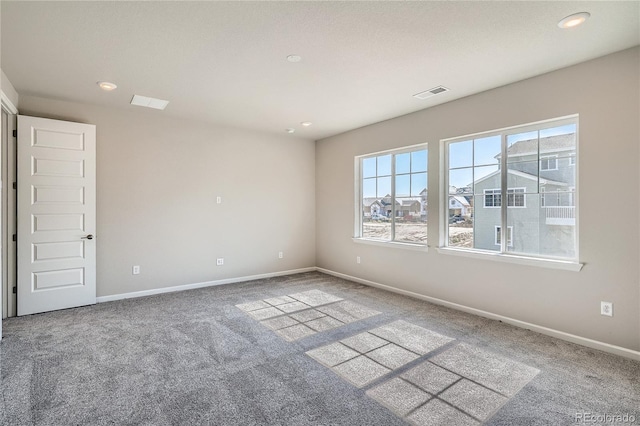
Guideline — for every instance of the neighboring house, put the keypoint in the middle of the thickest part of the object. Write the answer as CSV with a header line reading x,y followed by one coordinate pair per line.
x,y
407,207
371,207
460,205
540,197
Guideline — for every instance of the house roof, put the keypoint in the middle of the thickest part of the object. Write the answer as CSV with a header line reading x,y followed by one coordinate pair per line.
x,y
524,175
368,201
550,144
462,200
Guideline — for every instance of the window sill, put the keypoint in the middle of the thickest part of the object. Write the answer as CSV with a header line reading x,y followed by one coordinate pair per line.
x,y
566,265
394,244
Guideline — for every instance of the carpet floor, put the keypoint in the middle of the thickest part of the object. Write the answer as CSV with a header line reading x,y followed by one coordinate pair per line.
x,y
304,349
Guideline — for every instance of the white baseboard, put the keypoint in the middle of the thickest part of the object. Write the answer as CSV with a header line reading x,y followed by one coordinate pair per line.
x,y
606,347
151,292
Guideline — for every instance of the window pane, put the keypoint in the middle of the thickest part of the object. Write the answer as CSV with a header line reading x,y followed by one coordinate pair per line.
x,y
377,227
384,165
523,175
526,226
486,151
384,187
461,154
485,177
556,131
418,183
411,220
460,227
419,161
484,222
403,163
369,167
546,231
530,139
403,183
369,187
460,178
522,147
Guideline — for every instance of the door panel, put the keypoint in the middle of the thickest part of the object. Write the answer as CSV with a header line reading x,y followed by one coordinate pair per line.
x,y
56,212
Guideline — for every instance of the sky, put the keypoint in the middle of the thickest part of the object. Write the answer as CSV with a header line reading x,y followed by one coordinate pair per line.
x,y
411,174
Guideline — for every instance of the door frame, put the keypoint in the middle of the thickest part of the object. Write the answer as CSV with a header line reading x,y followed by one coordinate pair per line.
x,y
8,204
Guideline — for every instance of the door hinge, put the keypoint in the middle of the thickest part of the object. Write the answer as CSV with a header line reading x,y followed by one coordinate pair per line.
x,y
15,185
15,290
15,237
15,133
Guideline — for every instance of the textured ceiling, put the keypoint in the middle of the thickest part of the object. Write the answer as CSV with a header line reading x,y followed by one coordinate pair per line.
x,y
225,62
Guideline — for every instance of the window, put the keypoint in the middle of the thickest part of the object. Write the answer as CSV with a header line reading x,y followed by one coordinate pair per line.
x,y
549,163
515,198
397,181
509,236
492,198
508,164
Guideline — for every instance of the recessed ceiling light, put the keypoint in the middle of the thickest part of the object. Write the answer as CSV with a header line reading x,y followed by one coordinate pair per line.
x,y
290,130
294,58
574,20
306,123
106,85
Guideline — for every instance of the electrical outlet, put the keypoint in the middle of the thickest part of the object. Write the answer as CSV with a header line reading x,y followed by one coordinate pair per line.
x,y
135,270
219,200
357,259
220,261
280,255
606,308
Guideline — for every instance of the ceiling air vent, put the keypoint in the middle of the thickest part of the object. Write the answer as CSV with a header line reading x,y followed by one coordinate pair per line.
x,y
148,102
431,92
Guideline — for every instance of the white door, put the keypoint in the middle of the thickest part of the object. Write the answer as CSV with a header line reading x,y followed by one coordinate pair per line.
x,y
56,214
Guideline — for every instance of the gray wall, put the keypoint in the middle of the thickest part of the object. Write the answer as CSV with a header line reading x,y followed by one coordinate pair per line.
x,y
157,182
608,173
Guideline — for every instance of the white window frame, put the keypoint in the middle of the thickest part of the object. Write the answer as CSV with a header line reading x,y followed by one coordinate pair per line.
x,y
492,192
503,255
547,158
510,191
393,213
572,160
515,191
509,235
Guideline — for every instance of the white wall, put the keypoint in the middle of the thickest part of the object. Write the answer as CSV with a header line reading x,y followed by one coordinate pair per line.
x,y
157,183
606,94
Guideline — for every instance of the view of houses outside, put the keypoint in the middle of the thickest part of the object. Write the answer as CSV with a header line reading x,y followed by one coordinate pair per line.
x,y
408,177
540,193
540,196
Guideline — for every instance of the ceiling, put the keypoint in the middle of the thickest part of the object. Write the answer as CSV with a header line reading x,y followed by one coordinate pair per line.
x,y
225,62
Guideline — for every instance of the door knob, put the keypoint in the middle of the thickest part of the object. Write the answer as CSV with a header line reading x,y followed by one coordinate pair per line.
x,y
88,237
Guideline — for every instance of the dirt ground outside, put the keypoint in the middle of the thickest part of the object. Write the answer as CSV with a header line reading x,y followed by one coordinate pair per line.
x,y
416,232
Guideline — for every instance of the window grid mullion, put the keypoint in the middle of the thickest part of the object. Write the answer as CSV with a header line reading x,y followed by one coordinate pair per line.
x,y
504,197
393,197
